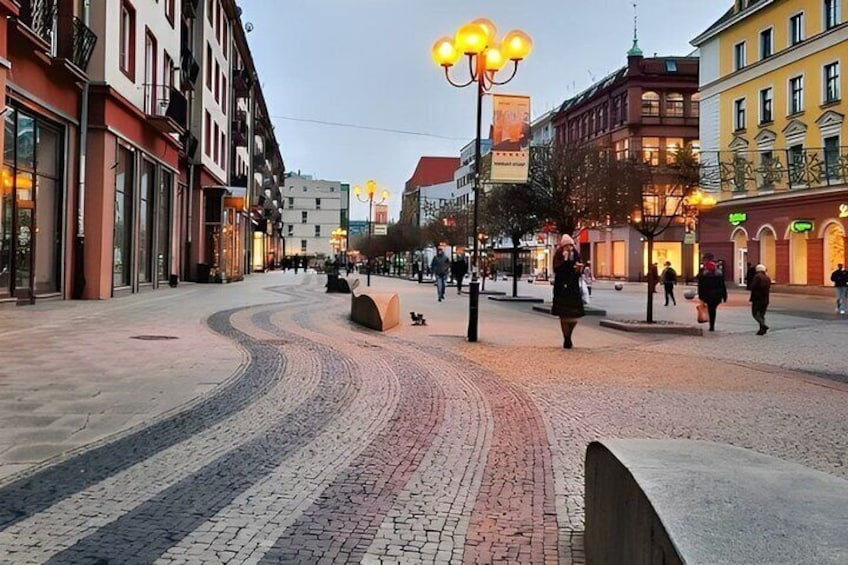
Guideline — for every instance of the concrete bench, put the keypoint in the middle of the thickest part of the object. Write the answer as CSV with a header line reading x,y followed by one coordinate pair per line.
x,y
376,310
338,283
683,501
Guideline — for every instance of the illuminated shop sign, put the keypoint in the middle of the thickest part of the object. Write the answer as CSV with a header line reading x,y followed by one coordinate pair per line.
x,y
801,226
737,218
843,210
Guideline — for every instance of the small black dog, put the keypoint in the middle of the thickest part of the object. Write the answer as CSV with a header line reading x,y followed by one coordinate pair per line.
x,y
417,319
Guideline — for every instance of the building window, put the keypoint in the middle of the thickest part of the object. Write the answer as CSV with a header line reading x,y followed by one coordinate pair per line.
x,y
303,246
695,105
124,214
622,149
831,83
796,95
291,230
671,66
291,201
673,145
209,67
146,211
796,29
739,114
127,52
831,13
217,81
674,105
651,150
739,56
207,135
831,157
650,104
169,11
210,10
766,43
766,98
317,203
223,150
317,231
215,139
304,217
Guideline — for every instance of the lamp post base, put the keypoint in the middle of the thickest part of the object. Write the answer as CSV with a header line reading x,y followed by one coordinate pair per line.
x,y
473,308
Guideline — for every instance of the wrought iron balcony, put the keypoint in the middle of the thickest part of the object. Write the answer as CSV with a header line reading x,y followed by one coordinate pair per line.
x,y
40,17
190,144
189,69
82,45
774,170
166,108
242,81
240,130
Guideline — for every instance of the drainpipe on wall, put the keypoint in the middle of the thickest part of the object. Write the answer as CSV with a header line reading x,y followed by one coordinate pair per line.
x,y
79,239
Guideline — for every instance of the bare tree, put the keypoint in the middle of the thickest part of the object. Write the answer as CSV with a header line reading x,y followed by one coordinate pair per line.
x,y
661,189
448,223
511,210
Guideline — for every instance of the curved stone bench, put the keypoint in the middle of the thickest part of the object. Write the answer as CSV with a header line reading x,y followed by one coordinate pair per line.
x,y
376,310
337,283
684,501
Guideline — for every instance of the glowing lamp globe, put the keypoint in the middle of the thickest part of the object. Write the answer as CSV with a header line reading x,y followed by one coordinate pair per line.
x,y
471,39
489,27
494,59
516,45
445,53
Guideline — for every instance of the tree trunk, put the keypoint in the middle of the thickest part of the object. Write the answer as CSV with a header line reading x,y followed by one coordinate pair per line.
x,y
651,281
515,277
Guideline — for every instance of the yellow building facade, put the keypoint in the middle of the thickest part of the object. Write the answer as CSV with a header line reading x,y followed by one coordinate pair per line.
x,y
773,137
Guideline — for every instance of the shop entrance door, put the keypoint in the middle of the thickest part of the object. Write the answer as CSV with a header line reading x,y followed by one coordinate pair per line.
x,y
741,265
22,281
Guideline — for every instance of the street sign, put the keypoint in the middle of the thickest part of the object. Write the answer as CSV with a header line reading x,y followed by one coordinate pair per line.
x,y
381,229
689,238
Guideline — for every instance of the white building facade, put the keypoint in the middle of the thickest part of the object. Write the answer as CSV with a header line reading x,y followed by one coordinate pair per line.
x,y
312,209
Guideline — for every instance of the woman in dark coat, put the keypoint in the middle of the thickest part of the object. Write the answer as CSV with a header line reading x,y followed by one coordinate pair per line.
x,y
568,302
711,290
760,285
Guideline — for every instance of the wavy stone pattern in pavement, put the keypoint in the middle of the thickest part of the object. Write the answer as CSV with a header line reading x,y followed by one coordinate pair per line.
x,y
83,513
38,491
244,530
146,532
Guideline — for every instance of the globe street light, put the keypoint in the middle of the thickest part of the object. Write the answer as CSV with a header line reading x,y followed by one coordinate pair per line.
x,y
478,41
370,191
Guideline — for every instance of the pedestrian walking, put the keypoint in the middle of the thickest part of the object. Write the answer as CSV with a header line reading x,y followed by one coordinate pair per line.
x,y
669,279
567,303
760,289
440,266
711,290
459,268
587,277
840,283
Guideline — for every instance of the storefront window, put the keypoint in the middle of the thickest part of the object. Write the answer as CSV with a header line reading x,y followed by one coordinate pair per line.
x,y
145,221
30,207
122,258
163,240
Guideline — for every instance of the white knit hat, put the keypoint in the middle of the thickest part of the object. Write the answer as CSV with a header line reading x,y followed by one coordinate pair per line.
x,y
566,240
760,268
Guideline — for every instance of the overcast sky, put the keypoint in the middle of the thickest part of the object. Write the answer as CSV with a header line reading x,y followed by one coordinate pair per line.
x,y
367,63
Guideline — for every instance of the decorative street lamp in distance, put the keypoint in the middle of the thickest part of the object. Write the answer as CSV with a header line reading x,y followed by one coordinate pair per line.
x,y
370,191
478,41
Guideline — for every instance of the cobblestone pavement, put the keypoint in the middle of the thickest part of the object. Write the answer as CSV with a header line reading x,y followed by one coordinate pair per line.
x,y
279,432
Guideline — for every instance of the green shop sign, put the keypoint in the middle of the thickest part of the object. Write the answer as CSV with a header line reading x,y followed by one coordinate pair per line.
x,y
737,218
801,226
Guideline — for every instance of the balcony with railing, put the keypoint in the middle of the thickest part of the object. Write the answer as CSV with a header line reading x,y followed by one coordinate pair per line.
x,y
189,69
166,108
767,171
242,81
39,18
76,42
240,129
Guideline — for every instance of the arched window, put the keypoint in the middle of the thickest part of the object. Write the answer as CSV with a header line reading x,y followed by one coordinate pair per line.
x,y
650,104
695,102
674,105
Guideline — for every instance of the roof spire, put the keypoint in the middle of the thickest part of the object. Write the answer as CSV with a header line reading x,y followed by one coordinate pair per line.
x,y
635,51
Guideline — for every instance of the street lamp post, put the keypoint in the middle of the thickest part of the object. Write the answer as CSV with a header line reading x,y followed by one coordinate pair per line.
x,y
478,41
370,191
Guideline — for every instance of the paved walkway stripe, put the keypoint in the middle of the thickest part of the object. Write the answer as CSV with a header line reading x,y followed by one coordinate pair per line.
x,y
147,532
34,493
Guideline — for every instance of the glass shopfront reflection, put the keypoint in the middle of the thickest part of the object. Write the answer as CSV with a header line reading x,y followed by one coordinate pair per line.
x,y
30,207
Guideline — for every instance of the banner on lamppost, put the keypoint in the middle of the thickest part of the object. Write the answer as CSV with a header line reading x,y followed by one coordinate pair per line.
x,y
381,219
510,139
